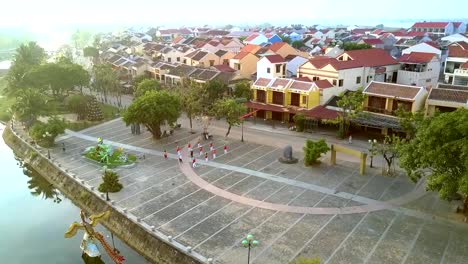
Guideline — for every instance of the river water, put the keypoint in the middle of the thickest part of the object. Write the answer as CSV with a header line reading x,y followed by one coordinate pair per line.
x,y
34,217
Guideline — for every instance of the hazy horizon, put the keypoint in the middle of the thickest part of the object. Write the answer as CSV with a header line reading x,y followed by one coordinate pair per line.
x,y
53,21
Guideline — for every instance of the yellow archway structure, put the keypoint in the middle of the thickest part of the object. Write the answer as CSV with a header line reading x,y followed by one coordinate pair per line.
x,y
361,155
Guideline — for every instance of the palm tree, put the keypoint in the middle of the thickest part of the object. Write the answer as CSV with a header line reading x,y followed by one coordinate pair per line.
x,y
39,186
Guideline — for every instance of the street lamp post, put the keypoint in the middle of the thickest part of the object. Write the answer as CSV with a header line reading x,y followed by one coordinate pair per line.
x,y
372,144
249,243
242,130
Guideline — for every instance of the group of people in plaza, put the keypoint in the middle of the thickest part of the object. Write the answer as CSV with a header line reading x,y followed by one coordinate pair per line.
x,y
201,153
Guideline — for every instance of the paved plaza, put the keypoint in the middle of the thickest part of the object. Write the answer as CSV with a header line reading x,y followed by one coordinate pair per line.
x,y
325,211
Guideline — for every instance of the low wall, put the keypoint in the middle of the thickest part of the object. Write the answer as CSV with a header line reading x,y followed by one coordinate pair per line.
x,y
151,244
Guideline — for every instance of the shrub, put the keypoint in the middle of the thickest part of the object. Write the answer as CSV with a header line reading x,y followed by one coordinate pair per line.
x,y
110,183
302,260
313,150
45,133
77,104
299,120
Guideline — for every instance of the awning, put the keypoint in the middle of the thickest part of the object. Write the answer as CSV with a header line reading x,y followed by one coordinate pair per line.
x,y
248,115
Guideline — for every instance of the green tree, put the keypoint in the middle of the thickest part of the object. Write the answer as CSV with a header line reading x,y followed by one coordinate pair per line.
x,y
351,105
138,79
355,46
90,52
27,57
65,51
60,77
29,105
299,121
45,133
78,104
242,90
409,120
439,151
229,109
389,152
298,44
189,93
106,81
154,109
286,39
110,183
214,90
81,39
147,85
313,150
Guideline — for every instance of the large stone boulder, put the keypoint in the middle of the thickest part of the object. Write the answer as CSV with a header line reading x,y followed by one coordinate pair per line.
x,y
287,156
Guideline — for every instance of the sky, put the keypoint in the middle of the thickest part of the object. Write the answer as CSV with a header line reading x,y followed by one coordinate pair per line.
x,y
51,22
46,15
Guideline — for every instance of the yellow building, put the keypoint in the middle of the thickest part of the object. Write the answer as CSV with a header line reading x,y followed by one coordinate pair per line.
x,y
280,99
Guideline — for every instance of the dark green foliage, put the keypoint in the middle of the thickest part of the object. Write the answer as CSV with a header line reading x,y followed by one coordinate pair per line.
x,y
154,109
351,105
229,109
313,150
110,183
191,100
147,85
409,120
299,121
29,105
242,90
91,52
137,80
78,104
286,39
440,151
214,90
45,133
298,44
355,46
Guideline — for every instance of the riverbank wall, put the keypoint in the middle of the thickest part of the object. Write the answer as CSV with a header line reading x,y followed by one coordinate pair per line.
x,y
144,239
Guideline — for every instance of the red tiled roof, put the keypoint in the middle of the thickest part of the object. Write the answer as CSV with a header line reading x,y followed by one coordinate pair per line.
x,y
213,43
393,90
275,58
430,25
178,39
417,57
262,82
302,86
373,41
416,34
251,37
372,57
303,79
266,107
458,49
450,93
359,31
320,61
280,82
321,112
276,46
224,68
241,55
323,84
251,48
433,44
456,24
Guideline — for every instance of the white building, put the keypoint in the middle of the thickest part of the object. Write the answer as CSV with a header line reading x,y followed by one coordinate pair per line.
x,y
419,69
352,69
456,66
455,38
271,66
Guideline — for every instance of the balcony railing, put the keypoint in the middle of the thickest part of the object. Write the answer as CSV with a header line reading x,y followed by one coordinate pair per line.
x,y
379,111
462,72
